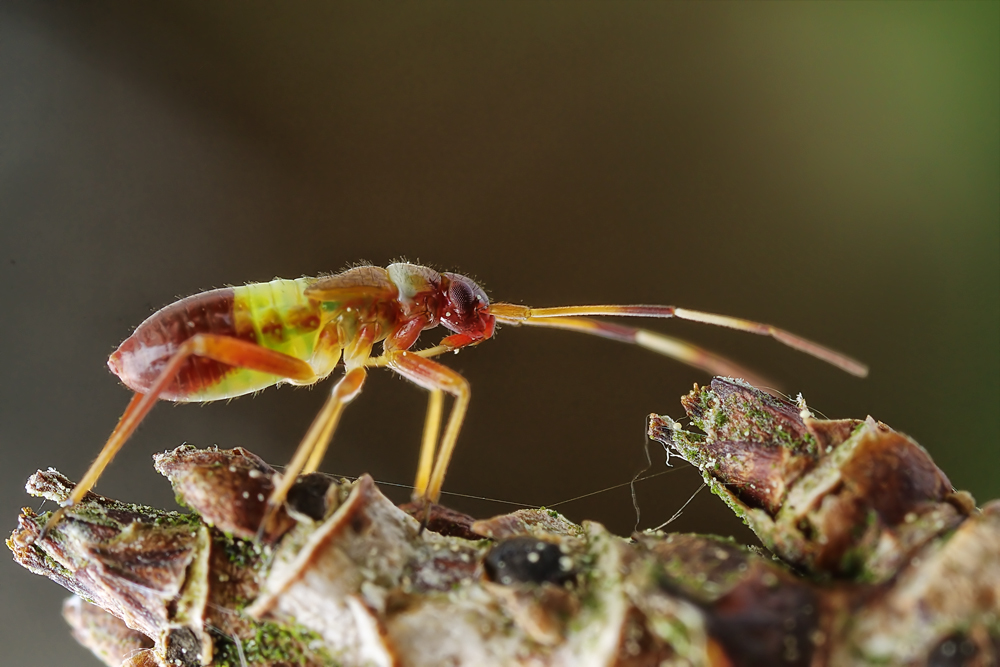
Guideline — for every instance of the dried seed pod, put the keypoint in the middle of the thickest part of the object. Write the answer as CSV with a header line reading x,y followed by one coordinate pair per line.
x,y
147,567
229,489
165,575
855,501
105,635
943,606
844,498
902,570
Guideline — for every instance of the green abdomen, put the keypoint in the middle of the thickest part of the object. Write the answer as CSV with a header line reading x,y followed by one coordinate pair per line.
x,y
275,315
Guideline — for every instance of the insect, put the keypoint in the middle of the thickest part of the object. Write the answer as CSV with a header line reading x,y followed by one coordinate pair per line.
x,y
233,341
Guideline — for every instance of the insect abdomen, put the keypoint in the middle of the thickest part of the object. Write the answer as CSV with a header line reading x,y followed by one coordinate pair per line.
x,y
278,315
274,315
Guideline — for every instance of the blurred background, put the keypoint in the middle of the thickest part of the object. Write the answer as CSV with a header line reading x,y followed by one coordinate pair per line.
x,y
830,168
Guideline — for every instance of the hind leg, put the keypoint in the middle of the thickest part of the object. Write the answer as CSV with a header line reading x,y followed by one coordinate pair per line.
x,y
223,349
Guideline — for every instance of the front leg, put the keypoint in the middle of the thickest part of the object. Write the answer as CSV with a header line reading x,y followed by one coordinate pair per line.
x,y
436,378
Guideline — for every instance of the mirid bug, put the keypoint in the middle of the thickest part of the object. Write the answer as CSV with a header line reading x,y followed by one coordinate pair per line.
x,y
234,341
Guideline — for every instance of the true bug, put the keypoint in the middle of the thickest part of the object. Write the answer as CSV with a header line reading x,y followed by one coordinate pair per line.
x,y
237,340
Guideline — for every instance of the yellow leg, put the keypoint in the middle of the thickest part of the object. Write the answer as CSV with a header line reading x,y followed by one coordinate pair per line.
x,y
310,451
455,419
432,427
309,454
435,377
356,356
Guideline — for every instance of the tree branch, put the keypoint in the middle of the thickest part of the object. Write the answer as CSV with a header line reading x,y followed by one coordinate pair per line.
x,y
876,560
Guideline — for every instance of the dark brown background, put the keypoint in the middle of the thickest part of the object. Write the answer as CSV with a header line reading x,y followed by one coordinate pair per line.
x,y
833,169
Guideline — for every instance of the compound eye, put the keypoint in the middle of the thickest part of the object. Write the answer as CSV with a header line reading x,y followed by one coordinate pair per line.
x,y
466,309
461,296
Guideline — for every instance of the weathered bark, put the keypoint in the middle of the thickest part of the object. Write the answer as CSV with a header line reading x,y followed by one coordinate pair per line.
x,y
876,561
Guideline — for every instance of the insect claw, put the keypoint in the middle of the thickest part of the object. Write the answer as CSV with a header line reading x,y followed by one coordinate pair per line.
x,y
265,522
423,514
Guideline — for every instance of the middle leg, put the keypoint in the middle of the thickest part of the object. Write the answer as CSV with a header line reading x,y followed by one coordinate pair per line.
x,y
310,451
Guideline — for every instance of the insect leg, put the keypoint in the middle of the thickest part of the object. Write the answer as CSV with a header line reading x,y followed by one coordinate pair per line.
x,y
428,445
311,449
435,377
309,454
231,351
100,463
383,360
343,393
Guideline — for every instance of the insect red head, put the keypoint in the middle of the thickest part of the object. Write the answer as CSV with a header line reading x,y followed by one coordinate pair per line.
x,y
465,308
